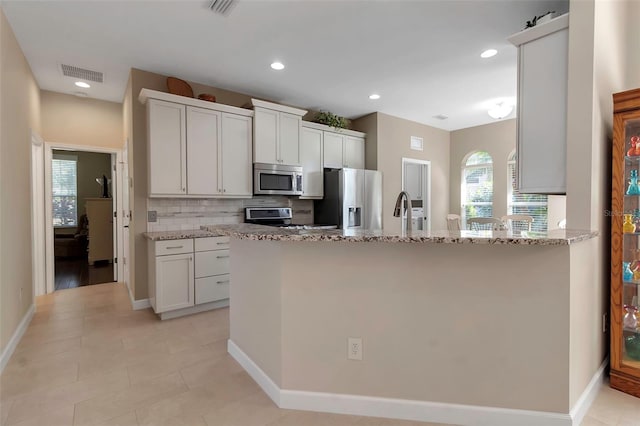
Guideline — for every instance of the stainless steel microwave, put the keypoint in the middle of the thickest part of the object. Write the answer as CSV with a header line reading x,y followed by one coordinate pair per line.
x,y
277,179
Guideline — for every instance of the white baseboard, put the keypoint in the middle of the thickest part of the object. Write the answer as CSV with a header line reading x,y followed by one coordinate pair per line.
x,y
15,339
203,307
136,305
427,411
589,394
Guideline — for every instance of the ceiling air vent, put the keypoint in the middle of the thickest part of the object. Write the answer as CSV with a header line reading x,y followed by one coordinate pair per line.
x,y
223,7
82,74
440,117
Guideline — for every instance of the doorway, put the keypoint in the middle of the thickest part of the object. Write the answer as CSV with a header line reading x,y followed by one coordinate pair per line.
x,y
416,180
80,220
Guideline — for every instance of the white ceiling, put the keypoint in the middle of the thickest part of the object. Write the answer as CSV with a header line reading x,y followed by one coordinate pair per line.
x,y
422,57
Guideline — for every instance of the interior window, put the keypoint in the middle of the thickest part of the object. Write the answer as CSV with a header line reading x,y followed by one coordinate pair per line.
x,y
534,205
477,186
64,180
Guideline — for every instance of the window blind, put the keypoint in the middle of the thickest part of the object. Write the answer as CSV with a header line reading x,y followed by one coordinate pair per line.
x,y
477,188
534,205
65,191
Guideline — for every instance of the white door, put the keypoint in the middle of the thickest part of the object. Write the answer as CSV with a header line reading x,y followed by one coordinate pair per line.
x,y
124,215
167,148
289,142
311,161
353,152
236,155
174,282
416,180
265,123
333,150
203,132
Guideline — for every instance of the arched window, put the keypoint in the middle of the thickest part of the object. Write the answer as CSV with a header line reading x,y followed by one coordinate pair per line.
x,y
534,205
477,186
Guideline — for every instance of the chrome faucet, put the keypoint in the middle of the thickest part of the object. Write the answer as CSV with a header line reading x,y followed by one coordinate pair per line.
x,y
397,212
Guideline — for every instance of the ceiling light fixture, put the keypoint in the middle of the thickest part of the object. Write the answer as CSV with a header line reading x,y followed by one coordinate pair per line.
x,y
374,96
500,110
82,84
277,66
488,53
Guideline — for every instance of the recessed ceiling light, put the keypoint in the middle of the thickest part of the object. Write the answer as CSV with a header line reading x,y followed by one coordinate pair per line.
x,y
277,66
488,53
82,84
374,96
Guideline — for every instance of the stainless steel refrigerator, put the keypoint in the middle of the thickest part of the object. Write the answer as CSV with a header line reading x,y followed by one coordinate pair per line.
x,y
352,199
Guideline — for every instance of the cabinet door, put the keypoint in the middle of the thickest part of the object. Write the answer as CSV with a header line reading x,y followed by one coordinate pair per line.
x,y
311,160
166,132
203,135
353,152
333,150
174,282
289,143
265,130
236,155
542,116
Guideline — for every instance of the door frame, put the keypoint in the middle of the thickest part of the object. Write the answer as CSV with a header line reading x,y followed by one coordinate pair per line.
x,y
38,255
426,188
48,213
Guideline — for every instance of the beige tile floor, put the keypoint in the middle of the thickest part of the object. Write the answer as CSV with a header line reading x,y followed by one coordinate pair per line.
x,y
88,359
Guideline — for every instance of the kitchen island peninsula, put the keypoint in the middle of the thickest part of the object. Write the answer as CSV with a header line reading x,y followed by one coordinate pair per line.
x,y
486,328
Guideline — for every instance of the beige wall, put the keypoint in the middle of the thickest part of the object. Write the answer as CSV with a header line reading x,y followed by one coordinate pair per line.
x,y
388,141
19,113
81,121
499,140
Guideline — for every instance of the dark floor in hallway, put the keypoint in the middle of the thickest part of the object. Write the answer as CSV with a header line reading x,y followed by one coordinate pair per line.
x,y
71,272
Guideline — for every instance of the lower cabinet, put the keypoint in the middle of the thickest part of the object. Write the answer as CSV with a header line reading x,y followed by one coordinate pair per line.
x,y
188,273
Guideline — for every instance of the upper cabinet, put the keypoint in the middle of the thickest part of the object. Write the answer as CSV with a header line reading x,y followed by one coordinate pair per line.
x,y
276,130
311,148
542,106
342,148
197,148
353,156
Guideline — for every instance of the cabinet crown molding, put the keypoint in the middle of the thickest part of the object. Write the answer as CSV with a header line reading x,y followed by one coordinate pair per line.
x,y
324,127
146,94
540,30
277,107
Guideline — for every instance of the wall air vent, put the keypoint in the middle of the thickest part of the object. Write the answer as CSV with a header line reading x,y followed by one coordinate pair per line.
x,y
222,7
81,73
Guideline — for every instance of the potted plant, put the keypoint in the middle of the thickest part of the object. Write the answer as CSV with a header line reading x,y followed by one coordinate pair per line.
x,y
330,119
540,19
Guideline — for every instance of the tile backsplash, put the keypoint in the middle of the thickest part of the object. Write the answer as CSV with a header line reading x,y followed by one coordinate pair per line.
x,y
177,214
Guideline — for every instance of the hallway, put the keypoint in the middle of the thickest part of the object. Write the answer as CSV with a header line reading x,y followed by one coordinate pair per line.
x,y
88,359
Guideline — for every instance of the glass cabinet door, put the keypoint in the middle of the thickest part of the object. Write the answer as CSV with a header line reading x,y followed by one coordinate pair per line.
x,y
627,302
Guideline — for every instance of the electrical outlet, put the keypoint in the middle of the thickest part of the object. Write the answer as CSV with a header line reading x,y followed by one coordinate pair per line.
x,y
354,348
604,322
152,216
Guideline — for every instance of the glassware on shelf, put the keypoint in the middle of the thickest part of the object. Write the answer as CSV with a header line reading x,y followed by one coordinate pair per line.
x,y
635,146
633,188
628,227
627,274
630,321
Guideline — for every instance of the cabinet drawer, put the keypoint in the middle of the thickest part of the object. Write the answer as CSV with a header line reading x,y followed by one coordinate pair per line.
x,y
210,289
211,243
212,263
174,247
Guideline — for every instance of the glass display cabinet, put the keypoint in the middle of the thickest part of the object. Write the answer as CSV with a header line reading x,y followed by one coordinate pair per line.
x,y
625,244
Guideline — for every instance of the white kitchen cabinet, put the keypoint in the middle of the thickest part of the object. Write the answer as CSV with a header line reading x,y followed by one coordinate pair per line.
x,y
311,147
170,267
542,107
353,156
276,132
203,132
166,128
235,162
333,150
188,275
197,148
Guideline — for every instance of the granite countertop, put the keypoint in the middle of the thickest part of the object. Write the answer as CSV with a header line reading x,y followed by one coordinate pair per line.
x,y
180,235
258,232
